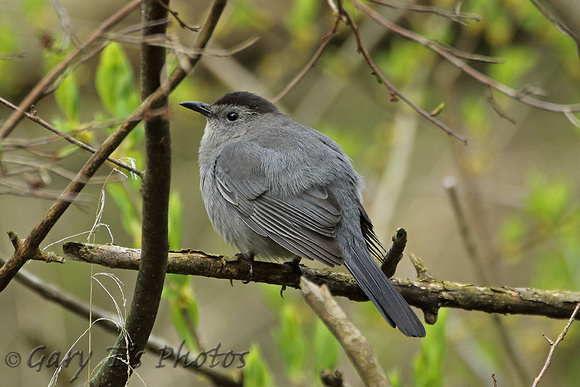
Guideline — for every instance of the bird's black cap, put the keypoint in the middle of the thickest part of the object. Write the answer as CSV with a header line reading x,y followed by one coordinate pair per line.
x,y
237,98
251,101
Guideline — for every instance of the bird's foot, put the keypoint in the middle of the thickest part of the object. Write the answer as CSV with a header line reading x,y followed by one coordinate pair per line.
x,y
294,263
249,257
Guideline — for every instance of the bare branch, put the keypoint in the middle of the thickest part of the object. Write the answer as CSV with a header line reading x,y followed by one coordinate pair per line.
x,y
392,90
171,43
456,15
311,63
181,23
428,295
65,22
553,346
156,189
494,105
355,345
557,23
395,253
42,167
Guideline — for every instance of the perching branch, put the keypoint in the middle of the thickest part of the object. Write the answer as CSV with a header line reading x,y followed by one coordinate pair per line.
x,y
426,294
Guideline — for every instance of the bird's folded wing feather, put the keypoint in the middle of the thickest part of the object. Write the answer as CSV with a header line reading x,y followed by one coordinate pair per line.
x,y
303,223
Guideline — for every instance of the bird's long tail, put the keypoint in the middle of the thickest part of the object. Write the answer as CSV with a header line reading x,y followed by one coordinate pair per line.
x,y
381,291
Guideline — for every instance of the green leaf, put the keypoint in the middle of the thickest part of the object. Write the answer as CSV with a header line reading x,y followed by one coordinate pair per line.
x,y
548,200
129,217
438,109
68,99
8,46
292,343
428,364
302,15
518,61
184,317
184,308
256,372
115,81
513,230
325,348
67,150
395,378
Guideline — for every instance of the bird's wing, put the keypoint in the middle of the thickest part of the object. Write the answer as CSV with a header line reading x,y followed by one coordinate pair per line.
x,y
303,223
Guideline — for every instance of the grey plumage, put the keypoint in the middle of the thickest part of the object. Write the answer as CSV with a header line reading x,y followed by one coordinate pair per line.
x,y
275,188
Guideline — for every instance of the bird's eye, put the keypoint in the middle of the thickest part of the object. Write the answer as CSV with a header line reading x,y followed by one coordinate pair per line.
x,y
232,116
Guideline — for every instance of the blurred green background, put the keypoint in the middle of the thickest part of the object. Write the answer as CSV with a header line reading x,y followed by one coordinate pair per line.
x,y
518,184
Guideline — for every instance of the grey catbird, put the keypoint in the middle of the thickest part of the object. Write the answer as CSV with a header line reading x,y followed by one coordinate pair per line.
x,y
275,188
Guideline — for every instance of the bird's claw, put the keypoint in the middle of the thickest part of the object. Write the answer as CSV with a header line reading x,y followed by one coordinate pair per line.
x,y
248,257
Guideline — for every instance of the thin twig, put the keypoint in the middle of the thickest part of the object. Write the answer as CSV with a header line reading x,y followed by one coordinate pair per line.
x,y
24,190
311,63
562,27
28,143
172,44
181,23
456,15
450,186
72,140
31,165
65,22
553,346
392,90
494,105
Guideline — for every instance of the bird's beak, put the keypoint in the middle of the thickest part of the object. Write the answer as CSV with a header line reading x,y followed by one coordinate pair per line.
x,y
199,107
